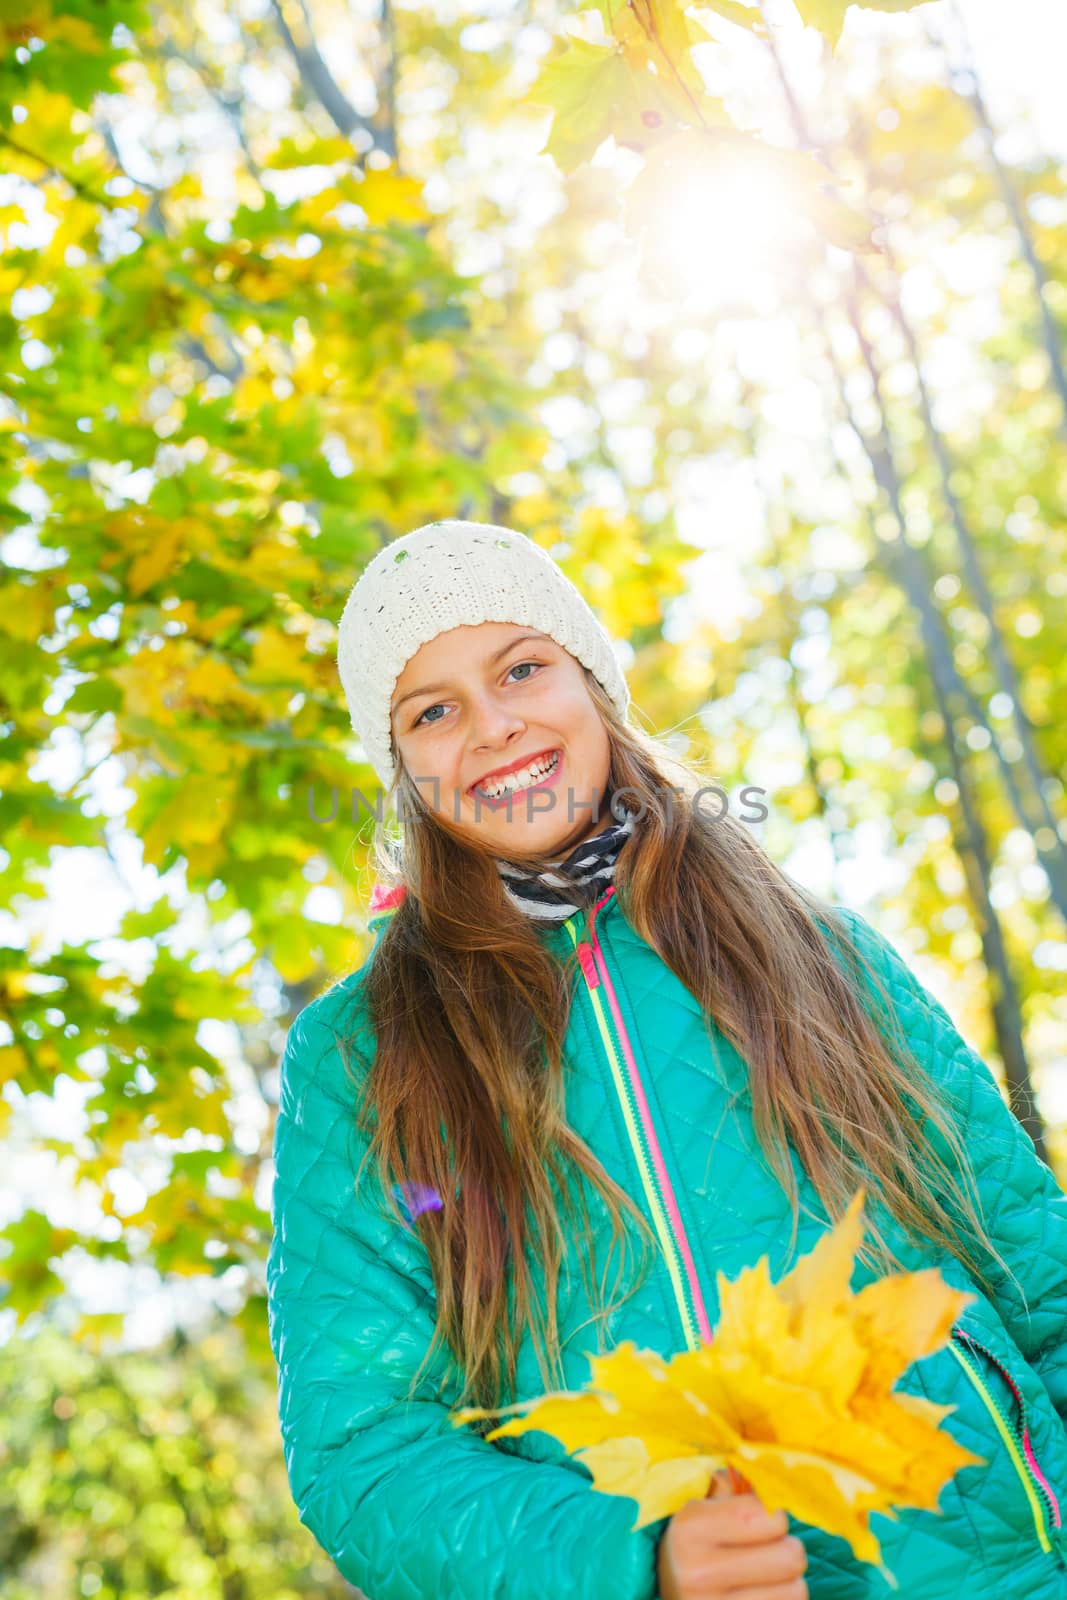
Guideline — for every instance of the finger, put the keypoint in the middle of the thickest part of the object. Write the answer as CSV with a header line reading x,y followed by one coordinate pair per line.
x,y
739,1519
782,1562
797,1589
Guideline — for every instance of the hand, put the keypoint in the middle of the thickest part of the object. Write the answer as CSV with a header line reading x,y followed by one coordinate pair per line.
x,y
730,1545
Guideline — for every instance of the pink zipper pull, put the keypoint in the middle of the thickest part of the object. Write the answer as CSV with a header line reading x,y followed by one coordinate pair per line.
x,y
585,956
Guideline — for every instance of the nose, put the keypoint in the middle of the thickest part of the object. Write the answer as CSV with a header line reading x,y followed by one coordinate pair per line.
x,y
494,724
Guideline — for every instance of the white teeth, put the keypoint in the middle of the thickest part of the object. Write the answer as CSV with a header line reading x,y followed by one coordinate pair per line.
x,y
519,780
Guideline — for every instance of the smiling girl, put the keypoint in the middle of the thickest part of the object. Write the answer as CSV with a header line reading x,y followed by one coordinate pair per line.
x,y
596,1014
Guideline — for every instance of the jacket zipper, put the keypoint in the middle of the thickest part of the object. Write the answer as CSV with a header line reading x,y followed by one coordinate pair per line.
x,y
663,1205
644,1140
1016,1438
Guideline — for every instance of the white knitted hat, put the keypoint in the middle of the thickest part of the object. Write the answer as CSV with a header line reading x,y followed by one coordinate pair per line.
x,y
450,575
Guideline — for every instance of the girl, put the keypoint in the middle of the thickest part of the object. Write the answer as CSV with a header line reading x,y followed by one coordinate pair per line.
x,y
597,1014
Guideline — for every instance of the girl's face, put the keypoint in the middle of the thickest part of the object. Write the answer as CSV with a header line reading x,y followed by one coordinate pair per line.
x,y
480,702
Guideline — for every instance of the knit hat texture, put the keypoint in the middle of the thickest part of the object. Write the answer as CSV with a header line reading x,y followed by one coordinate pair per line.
x,y
449,575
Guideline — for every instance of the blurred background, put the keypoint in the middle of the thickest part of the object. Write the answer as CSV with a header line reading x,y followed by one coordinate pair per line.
x,y
752,316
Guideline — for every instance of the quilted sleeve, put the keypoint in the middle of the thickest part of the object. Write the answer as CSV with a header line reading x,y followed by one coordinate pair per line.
x,y
1024,1208
407,1506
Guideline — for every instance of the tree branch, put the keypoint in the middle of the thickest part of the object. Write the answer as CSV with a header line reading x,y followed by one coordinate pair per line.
x,y
229,104
320,81
76,184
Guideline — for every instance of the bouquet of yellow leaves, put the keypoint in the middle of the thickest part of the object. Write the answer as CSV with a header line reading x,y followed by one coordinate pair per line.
x,y
794,1395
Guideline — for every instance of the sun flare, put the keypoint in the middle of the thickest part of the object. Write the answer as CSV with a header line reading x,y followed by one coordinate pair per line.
x,y
718,215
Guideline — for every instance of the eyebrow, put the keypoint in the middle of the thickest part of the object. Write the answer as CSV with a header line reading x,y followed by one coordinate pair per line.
x,y
491,661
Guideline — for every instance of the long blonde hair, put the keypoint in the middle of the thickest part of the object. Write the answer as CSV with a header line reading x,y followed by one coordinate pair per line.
x,y
468,1011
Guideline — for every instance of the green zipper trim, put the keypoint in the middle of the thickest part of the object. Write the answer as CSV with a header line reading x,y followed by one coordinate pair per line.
x,y
1042,1488
1010,1445
670,1249
644,1166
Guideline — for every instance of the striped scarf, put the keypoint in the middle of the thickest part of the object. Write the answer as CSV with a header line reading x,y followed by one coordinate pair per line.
x,y
569,885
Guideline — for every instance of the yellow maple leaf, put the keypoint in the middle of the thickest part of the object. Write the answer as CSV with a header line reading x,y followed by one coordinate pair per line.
x,y
154,562
793,1394
387,196
625,1466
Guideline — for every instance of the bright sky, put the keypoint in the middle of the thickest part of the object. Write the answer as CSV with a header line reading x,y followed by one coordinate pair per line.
x,y
1020,55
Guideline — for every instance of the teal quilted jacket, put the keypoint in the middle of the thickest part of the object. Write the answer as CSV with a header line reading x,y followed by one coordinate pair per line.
x,y
410,1508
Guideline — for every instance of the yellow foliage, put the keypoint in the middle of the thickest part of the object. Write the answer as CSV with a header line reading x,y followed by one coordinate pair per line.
x,y
152,564
144,680
212,681
76,31
202,627
386,197
39,21
431,361
624,593
153,545
27,610
656,32
794,1393
77,219
829,15
594,91
530,511
46,109
12,1062
28,21
96,1329
276,656
195,818
280,564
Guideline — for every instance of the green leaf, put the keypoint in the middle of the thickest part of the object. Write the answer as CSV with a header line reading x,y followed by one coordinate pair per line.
x,y
601,91
583,85
733,11
828,16
891,5
26,1279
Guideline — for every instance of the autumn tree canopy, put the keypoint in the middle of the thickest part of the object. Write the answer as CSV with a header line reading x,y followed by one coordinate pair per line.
x,y
752,315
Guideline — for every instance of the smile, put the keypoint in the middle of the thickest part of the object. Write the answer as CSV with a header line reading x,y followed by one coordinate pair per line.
x,y
538,774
